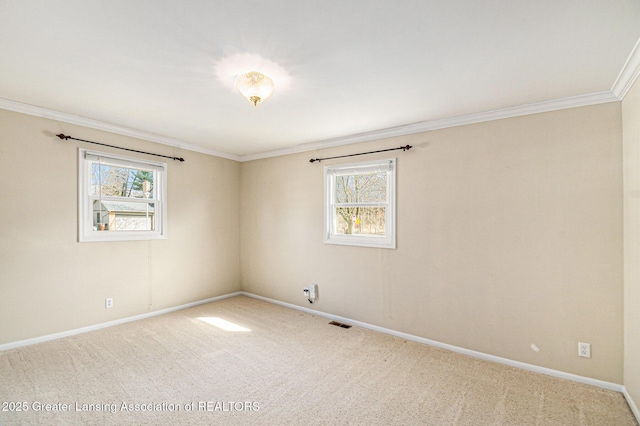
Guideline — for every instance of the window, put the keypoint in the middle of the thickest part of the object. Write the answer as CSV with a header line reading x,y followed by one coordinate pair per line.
x,y
360,204
121,198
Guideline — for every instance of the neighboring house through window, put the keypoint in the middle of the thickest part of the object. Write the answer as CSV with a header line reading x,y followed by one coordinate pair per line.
x,y
360,204
120,198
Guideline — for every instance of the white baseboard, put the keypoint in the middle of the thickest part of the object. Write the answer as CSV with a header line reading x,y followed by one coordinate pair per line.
x,y
632,403
522,365
54,336
481,355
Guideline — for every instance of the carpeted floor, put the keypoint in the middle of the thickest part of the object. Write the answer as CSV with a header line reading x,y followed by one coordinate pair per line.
x,y
288,368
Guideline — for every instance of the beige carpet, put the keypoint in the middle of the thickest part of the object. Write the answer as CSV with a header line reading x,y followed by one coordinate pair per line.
x,y
290,368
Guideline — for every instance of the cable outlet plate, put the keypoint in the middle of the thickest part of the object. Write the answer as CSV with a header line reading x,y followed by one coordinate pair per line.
x,y
313,291
584,350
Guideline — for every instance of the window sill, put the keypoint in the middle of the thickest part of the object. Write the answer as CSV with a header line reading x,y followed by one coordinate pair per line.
x,y
361,241
98,236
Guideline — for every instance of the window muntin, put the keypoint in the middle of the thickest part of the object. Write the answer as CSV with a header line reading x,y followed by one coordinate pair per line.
x,y
360,204
121,198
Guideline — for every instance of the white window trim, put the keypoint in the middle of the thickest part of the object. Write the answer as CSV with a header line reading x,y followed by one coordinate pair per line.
x,y
330,237
85,205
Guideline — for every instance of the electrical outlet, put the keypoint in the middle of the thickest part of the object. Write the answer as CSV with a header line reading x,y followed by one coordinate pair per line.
x,y
108,302
584,350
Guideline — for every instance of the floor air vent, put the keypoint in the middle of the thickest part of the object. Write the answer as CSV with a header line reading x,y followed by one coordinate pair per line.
x,y
339,324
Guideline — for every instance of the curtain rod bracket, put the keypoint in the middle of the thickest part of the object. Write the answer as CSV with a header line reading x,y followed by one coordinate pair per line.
x,y
65,137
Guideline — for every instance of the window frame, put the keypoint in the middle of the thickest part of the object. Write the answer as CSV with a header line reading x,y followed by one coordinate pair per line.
x,y
86,233
387,241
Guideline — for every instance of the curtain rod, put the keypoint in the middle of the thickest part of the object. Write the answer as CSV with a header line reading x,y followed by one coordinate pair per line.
x,y
404,148
65,137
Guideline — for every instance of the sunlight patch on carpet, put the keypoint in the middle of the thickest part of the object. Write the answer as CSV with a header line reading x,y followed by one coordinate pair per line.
x,y
223,324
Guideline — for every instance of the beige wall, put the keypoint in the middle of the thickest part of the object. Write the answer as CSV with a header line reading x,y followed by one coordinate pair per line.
x,y
509,234
51,283
631,144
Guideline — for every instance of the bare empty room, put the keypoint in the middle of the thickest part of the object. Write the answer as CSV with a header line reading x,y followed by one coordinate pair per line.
x,y
366,212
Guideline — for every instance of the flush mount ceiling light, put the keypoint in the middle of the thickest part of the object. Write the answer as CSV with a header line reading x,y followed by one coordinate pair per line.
x,y
255,86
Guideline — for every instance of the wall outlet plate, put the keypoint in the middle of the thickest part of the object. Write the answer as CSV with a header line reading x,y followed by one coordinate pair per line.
x,y
313,291
584,350
108,302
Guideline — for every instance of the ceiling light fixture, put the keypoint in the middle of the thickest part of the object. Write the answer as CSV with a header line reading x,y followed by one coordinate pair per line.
x,y
255,86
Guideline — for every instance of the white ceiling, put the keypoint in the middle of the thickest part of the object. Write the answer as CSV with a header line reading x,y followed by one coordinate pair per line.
x,y
344,70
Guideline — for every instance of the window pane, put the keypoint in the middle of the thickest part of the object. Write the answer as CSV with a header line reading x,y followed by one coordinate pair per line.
x,y
361,188
123,216
360,220
119,181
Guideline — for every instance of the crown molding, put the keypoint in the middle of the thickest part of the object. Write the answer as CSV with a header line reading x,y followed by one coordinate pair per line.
x,y
425,126
99,125
419,127
629,73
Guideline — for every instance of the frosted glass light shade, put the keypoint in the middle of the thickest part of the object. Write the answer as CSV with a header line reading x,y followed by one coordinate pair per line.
x,y
254,86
